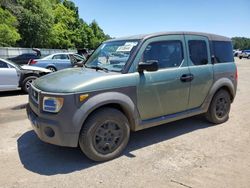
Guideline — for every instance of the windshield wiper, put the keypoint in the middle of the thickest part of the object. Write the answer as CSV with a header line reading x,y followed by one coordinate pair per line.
x,y
98,68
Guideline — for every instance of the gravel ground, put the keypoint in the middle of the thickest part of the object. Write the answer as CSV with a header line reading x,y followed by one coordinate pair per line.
x,y
186,153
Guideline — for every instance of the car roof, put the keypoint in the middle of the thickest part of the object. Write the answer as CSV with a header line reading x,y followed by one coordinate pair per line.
x,y
66,53
146,36
28,54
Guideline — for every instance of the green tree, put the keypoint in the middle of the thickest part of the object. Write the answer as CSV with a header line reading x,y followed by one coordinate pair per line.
x,y
49,24
99,35
241,43
62,30
8,31
35,23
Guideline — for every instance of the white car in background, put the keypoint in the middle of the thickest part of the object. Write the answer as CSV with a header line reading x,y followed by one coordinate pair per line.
x,y
15,77
244,54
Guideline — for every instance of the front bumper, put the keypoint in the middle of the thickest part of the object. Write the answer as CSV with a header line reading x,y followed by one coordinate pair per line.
x,y
51,130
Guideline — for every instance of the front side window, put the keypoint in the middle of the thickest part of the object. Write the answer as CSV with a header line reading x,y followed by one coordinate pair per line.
x,y
198,52
167,53
3,65
78,57
113,55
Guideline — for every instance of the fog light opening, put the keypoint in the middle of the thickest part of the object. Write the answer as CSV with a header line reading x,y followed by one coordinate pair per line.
x,y
49,132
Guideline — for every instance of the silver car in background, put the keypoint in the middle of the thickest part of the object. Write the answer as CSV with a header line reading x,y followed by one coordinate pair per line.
x,y
15,77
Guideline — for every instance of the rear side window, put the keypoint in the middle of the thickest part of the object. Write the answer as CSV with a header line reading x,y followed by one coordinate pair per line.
x,y
3,65
167,53
198,52
223,51
60,56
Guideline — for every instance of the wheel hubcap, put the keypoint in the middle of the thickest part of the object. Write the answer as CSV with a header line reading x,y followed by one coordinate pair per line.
x,y
52,69
107,137
221,107
28,83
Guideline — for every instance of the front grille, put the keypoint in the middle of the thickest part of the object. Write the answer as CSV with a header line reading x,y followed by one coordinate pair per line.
x,y
34,95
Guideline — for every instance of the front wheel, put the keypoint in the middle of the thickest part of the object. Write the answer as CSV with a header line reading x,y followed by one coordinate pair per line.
x,y
105,134
27,83
219,108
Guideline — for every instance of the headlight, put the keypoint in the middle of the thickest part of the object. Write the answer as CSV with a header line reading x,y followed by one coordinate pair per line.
x,y
52,104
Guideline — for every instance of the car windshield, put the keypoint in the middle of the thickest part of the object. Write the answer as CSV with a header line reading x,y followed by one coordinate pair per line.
x,y
11,63
112,56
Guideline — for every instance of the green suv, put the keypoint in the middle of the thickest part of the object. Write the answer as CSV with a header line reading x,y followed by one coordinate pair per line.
x,y
133,83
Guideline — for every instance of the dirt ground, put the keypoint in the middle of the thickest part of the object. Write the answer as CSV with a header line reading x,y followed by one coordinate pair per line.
x,y
186,153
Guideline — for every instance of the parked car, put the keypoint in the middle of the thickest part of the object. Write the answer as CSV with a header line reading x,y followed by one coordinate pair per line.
x,y
244,54
236,52
165,77
24,58
58,61
14,76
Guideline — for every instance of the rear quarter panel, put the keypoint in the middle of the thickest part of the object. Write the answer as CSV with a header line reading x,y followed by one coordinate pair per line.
x,y
226,70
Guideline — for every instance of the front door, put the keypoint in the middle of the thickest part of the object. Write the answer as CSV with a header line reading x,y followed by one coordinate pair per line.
x,y
165,91
9,78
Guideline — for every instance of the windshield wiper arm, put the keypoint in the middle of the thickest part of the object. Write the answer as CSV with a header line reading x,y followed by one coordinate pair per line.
x,y
98,68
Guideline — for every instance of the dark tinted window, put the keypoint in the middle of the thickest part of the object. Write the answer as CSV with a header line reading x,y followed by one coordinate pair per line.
x,y
198,52
223,51
3,65
167,53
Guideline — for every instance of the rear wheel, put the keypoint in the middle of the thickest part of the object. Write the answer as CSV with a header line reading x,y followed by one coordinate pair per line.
x,y
219,108
53,69
104,135
27,83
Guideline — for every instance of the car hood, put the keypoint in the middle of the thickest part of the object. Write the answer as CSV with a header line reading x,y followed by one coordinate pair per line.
x,y
72,80
27,67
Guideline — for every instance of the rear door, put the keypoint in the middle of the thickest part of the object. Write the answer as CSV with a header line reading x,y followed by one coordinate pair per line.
x,y
61,61
9,78
201,68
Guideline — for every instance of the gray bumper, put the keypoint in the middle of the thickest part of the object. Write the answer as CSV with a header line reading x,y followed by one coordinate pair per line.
x,y
50,131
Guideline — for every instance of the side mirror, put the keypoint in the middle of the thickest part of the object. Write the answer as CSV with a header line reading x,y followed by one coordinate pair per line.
x,y
150,66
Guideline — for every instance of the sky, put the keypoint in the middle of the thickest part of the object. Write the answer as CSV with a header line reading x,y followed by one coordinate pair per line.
x,y
130,17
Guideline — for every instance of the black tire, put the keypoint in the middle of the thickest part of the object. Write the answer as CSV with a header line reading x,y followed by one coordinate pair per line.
x,y
26,83
53,69
219,108
248,57
240,57
105,134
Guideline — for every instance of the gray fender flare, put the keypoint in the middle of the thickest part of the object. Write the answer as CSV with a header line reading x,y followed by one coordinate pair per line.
x,y
223,82
103,99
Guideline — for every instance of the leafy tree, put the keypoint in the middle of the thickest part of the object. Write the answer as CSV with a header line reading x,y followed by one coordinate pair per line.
x,y
35,23
62,30
8,32
48,24
241,43
99,35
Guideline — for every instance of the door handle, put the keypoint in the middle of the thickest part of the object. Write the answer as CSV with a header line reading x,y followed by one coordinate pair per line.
x,y
187,77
